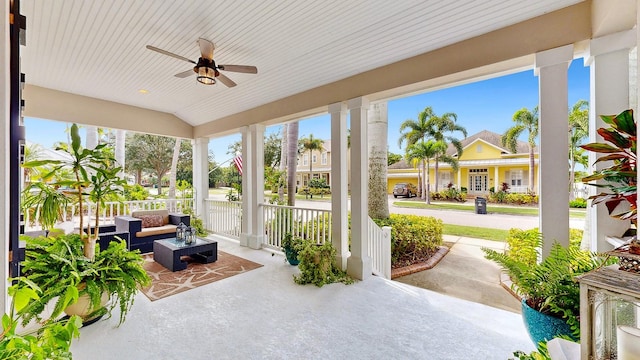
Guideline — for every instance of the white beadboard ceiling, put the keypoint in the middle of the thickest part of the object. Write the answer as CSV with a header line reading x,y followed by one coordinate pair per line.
x,y
97,48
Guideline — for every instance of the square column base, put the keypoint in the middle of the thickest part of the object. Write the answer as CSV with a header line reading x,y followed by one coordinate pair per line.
x,y
341,260
359,268
252,241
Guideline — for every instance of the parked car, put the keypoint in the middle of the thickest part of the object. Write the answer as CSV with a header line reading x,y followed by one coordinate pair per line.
x,y
405,189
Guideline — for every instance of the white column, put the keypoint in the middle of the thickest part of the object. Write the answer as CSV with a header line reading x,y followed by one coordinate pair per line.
x,y
339,191
496,180
253,181
247,211
4,159
552,66
359,264
459,178
201,177
608,59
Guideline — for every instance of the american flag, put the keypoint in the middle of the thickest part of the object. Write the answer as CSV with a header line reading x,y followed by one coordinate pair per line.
x,y
238,161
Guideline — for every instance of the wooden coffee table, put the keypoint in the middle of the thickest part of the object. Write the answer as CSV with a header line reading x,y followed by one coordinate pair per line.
x,y
168,252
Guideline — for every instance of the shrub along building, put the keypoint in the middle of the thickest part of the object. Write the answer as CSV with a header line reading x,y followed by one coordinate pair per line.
x,y
484,164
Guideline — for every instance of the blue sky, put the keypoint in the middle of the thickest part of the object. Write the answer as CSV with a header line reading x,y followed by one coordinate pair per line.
x,y
489,104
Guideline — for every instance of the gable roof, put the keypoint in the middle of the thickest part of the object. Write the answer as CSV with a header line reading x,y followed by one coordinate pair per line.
x,y
491,138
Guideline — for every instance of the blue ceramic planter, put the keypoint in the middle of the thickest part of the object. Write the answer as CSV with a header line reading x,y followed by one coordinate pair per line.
x,y
542,327
292,256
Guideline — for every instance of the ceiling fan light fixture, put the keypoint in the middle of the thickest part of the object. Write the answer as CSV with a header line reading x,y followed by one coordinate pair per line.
x,y
206,75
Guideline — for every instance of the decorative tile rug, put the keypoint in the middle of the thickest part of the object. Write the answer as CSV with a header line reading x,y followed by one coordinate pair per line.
x,y
166,283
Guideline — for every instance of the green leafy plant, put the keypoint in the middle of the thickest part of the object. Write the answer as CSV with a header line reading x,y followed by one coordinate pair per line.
x,y
196,222
95,177
620,179
59,266
578,203
51,340
317,265
550,287
413,237
291,246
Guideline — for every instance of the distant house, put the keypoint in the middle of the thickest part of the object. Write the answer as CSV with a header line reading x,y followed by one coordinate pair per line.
x,y
484,164
321,165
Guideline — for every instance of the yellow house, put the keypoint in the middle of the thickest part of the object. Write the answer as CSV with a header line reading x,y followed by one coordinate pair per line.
x,y
483,164
320,161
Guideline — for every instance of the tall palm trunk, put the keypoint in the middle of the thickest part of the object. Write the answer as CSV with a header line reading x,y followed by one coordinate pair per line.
x,y
292,162
437,173
174,169
283,161
120,150
532,164
572,179
92,137
425,171
378,127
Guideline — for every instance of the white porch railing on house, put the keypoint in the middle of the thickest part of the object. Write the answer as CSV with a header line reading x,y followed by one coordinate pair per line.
x,y
112,209
310,224
224,217
380,249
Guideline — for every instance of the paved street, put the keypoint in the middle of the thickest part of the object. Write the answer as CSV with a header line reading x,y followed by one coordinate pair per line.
x,y
494,221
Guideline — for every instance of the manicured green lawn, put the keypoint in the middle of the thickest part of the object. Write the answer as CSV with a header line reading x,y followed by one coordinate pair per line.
x,y
475,232
491,208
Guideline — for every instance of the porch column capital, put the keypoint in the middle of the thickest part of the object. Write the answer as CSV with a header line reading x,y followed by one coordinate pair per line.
x,y
623,40
338,107
560,55
359,102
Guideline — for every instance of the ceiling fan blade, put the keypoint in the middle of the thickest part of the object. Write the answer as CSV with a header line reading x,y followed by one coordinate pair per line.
x,y
165,52
185,74
206,48
225,80
247,69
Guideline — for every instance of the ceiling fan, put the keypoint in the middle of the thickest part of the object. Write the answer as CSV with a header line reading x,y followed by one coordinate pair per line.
x,y
206,68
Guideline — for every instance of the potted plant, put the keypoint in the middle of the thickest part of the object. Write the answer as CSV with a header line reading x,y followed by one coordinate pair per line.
x,y
59,266
620,179
317,265
550,294
71,264
291,246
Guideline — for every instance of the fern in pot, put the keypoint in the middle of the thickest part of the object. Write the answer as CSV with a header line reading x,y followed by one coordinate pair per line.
x,y
550,295
59,266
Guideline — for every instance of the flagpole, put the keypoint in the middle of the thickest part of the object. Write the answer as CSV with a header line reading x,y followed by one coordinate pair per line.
x,y
219,165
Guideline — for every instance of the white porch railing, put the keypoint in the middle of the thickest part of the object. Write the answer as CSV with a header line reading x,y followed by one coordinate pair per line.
x,y
114,208
224,217
380,249
310,224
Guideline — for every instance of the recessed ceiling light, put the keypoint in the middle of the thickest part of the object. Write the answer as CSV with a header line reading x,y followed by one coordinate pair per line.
x,y
143,91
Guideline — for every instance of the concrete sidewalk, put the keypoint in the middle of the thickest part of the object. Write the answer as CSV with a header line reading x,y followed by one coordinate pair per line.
x,y
466,274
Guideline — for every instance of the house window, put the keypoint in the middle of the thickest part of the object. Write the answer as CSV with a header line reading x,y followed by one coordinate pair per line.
x,y
445,178
516,177
314,158
479,148
323,159
305,160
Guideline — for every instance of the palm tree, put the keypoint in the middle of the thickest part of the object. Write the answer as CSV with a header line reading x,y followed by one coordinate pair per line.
x,y
524,120
378,198
292,162
440,129
416,130
174,169
424,151
310,144
578,131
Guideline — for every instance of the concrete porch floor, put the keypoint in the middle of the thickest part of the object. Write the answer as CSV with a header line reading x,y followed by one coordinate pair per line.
x,y
263,314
